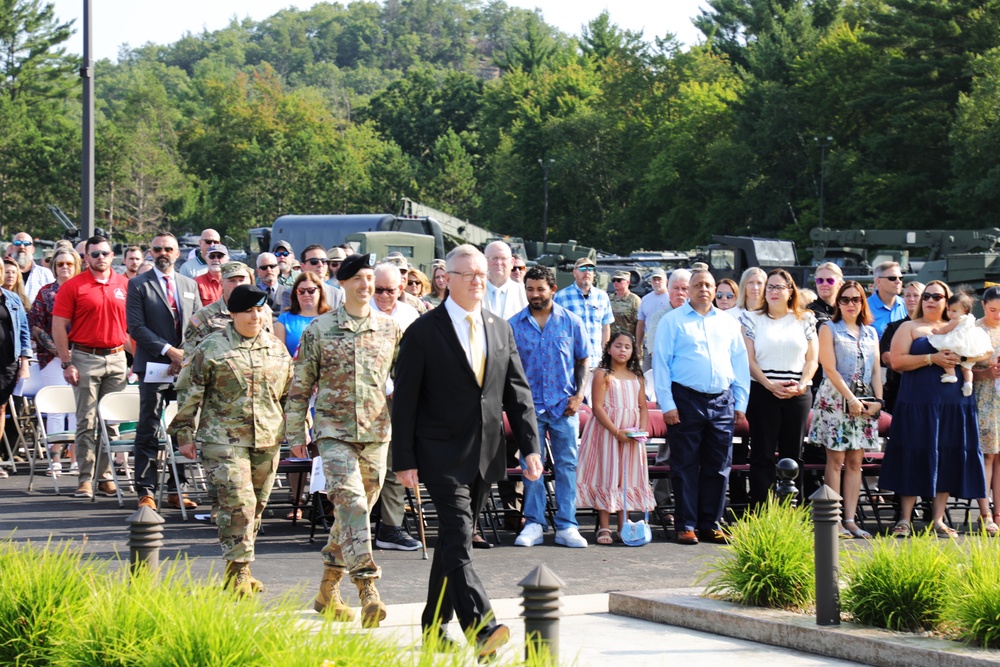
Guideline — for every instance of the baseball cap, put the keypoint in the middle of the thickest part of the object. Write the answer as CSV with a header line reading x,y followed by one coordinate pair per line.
x,y
583,261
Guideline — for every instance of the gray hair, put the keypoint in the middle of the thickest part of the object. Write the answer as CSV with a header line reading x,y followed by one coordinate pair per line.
x,y
883,267
464,250
389,269
266,256
679,274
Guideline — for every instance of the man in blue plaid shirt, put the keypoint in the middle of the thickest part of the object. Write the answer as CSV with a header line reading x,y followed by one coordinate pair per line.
x,y
592,306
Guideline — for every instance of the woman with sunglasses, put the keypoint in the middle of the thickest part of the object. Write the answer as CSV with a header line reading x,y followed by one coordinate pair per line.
x,y
308,301
417,283
725,296
782,348
843,423
933,449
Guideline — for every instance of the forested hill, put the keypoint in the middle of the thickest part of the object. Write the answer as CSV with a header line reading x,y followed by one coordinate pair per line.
x,y
890,106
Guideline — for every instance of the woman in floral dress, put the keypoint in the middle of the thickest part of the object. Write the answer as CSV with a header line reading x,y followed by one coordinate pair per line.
x,y
843,424
986,375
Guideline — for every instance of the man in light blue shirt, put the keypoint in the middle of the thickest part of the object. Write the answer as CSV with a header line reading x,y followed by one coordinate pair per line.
x,y
886,304
702,377
553,349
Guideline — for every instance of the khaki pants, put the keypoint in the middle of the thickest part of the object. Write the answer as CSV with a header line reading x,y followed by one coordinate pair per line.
x,y
99,375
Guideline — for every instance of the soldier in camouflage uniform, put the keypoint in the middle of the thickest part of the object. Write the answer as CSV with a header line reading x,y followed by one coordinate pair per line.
x,y
215,316
237,379
345,356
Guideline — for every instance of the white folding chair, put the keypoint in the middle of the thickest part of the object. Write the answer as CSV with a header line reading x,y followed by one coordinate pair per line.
x,y
51,401
114,409
172,458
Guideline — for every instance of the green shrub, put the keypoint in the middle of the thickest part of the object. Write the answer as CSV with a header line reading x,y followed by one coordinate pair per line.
x,y
899,584
972,608
38,587
769,562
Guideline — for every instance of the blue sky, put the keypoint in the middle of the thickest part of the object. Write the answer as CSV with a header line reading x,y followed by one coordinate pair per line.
x,y
135,22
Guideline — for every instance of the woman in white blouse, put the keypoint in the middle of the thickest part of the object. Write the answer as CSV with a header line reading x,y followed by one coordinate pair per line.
x,y
783,349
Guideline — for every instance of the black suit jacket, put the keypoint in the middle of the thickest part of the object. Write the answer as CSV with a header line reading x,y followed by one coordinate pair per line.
x,y
443,423
150,321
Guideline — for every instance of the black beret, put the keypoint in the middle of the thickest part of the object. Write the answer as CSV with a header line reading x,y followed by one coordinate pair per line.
x,y
355,263
245,297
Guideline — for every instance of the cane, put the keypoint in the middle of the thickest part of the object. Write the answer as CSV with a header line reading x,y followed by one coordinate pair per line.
x,y
420,523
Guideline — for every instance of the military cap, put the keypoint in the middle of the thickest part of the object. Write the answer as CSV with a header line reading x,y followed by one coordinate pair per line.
x,y
622,274
353,264
245,297
230,269
658,273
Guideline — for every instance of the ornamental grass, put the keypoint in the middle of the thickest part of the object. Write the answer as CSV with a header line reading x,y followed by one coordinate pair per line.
x,y
971,608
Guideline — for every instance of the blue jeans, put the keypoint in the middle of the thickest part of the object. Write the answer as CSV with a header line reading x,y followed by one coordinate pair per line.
x,y
562,432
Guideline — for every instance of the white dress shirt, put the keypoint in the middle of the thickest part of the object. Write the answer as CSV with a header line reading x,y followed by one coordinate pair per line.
x,y
458,315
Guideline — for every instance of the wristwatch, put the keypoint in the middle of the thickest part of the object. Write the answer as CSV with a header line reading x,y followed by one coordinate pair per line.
x,y
66,364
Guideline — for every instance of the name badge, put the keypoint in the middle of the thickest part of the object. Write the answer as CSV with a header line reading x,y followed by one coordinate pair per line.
x,y
188,295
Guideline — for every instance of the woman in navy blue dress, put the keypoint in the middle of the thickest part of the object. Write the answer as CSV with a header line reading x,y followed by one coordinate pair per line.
x,y
933,448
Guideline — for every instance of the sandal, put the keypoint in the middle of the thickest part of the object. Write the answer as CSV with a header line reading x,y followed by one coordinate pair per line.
x,y
857,533
942,530
604,536
843,533
901,529
988,525
294,515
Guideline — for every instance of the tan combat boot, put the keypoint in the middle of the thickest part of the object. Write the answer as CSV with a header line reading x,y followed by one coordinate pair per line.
x,y
372,609
256,585
238,579
329,601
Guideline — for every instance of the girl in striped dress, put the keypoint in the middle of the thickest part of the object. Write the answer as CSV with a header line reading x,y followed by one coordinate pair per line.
x,y
606,450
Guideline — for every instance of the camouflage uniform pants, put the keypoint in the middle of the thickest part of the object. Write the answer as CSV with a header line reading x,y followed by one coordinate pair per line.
x,y
244,478
354,475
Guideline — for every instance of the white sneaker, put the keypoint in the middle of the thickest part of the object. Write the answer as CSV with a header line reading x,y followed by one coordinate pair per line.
x,y
55,469
967,389
530,536
570,537
74,468
948,379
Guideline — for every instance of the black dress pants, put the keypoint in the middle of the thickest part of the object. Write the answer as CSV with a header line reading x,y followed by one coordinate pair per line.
x,y
152,399
776,425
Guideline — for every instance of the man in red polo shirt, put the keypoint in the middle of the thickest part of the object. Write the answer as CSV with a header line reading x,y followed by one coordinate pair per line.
x,y
210,282
90,332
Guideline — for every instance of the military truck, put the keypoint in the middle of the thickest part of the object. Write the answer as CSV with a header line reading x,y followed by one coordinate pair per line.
x,y
730,256
418,249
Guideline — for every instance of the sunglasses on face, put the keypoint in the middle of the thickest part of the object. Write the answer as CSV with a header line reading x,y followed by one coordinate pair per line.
x,y
163,248
892,279
281,253
828,281
215,255
848,300
63,265
586,269
929,297
385,290
412,283
99,253
306,290
314,261
724,295
518,268
267,267
211,241
619,280
22,243
334,263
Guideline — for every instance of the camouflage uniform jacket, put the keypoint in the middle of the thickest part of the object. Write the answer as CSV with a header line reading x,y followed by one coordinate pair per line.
x,y
239,386
347,362
415,302
626,311
213,317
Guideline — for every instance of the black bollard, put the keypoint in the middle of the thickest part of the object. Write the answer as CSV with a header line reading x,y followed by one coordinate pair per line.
x,y
541,612
787,470
826,517
145,539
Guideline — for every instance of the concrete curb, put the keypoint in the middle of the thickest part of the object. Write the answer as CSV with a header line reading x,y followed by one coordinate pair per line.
x,y
687,608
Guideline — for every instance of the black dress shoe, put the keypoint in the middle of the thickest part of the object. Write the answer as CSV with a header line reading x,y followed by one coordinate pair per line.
x,y
490,641
479,543
439,641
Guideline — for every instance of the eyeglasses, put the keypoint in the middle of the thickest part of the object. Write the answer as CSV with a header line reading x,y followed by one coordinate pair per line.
x,y
314,261
267,267
211,241
386,290
619,280
828,281
892,279
99,253
302,291
517,268
725,295
334,262
412,283
928,297
469,277
281,253
22,243
777,288
215,255
62,265
586,269
163,248
848,300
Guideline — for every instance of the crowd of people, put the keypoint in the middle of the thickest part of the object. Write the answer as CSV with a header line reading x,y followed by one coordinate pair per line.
x,y
396,378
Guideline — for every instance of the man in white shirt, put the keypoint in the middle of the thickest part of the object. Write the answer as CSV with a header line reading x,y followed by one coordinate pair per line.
x,y
35,276
504,297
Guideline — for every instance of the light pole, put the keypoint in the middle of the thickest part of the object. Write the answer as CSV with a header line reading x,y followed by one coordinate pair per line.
x,y
822,171
87,168
545,201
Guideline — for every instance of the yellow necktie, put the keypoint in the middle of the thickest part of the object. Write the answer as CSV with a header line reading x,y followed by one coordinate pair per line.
x,y
476,350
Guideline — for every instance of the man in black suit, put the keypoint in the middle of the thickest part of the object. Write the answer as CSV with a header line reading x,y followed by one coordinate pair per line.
x,y
267,280
160,302
457,372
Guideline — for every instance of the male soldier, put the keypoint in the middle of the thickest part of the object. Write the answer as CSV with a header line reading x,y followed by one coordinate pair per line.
x,y
231,392
345,356
624,304
215,316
